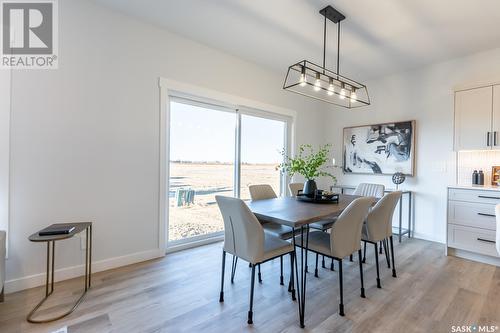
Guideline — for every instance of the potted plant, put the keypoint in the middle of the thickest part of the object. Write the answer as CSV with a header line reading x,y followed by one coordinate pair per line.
x,y
308,163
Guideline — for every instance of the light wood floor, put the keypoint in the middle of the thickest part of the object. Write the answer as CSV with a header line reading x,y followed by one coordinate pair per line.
x,y
179,293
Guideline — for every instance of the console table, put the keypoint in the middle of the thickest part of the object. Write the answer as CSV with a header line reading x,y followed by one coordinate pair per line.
x,y
50,240
400,231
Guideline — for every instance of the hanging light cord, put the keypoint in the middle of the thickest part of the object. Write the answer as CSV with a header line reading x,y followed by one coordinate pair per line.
x,y
324,46
338,49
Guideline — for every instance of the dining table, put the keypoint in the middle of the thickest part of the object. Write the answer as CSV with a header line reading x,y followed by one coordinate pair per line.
x,y
298,215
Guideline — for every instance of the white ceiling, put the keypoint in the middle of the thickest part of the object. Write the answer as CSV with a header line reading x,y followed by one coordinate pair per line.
x,y
378,37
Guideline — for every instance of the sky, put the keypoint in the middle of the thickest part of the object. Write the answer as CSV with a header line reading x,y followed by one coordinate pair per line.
x,y
202,134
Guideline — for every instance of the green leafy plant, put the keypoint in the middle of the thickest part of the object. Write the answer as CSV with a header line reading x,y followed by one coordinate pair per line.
x,y
308,163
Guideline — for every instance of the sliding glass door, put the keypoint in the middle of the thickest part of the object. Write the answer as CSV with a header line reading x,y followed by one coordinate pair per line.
x,y
216,150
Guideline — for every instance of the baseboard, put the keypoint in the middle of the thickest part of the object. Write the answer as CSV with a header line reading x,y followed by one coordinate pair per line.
x,y
464,254
79,270
427,237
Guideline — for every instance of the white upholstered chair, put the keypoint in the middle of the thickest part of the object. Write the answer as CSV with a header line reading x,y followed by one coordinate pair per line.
x,y
245,238
370,190
378,227
3,250
497,213
344,239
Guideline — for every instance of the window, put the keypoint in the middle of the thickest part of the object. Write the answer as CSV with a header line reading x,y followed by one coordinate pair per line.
x,y
217,150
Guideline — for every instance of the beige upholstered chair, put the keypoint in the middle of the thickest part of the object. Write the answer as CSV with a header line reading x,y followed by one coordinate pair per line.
x,y
378,227
3,249
370,190
294,188
344,239
262,192
497,213
245,238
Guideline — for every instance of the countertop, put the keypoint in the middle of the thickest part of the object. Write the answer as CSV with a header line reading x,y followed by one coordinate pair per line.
x,y
476,187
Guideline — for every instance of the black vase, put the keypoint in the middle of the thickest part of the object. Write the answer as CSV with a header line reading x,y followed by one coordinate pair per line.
x,y
309,188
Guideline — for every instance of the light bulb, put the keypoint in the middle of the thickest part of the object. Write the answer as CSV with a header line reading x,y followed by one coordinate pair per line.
x,y
342,93
317,83
331,89
353,97
303,79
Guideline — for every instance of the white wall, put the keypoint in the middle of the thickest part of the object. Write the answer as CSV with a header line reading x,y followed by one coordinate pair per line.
x,y
5,93
85,137
425,95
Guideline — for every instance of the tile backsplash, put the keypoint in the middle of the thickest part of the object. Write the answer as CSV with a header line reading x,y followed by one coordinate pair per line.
x,y
468,161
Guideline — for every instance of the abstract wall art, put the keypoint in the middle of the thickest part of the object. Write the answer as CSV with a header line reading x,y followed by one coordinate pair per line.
x,y
380,149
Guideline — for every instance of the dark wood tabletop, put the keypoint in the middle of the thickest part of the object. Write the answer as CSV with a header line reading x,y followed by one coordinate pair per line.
x,y
294,213
79,227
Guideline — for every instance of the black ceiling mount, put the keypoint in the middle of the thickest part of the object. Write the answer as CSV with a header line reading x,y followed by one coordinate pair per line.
x,y
332,14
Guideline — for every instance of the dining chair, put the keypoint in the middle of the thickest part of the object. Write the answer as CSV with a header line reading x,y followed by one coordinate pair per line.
x,y
378,227
344,240
262,192
245,238
294,188
369,190
497,214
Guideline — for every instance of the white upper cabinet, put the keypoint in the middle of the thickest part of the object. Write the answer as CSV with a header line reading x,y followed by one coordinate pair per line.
x,y
474,117
495,128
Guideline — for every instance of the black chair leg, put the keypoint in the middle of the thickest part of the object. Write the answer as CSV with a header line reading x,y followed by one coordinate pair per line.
x,y
323,262
386,251
233,268
392,256
341,289
364,252
361,275
291,285
221,295
281,270
380,248
350,258
252,285
260,275
332,268
316,269
376,263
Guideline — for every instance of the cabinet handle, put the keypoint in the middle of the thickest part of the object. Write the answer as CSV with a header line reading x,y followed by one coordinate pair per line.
x,y
485,240
488,134
483,214
487,197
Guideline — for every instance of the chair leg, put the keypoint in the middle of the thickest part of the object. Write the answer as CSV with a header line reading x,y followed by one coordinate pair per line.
x,y
291,285
386,252
380,248
361,274
350,258
260,275
341,289
364,252
376,263
252,285
221,295
332,267
392,256
323,262
316,269
281,270
233,268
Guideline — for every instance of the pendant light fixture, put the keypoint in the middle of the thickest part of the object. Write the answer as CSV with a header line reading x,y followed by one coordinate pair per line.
x,y
318,82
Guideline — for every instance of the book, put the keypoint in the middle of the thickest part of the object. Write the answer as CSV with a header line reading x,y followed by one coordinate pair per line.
x,y
56,229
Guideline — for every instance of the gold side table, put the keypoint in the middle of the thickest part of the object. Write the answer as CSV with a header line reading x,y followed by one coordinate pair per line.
x,y
50,240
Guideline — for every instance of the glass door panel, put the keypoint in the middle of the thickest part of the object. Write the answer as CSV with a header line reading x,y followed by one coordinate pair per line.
x,y
202,149
262,141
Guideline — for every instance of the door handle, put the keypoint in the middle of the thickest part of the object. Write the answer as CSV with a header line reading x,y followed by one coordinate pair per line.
x,y
487,197
483,214
485,240
488,135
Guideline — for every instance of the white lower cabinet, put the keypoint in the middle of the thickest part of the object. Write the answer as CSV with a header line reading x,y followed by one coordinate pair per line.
x,y
472,223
